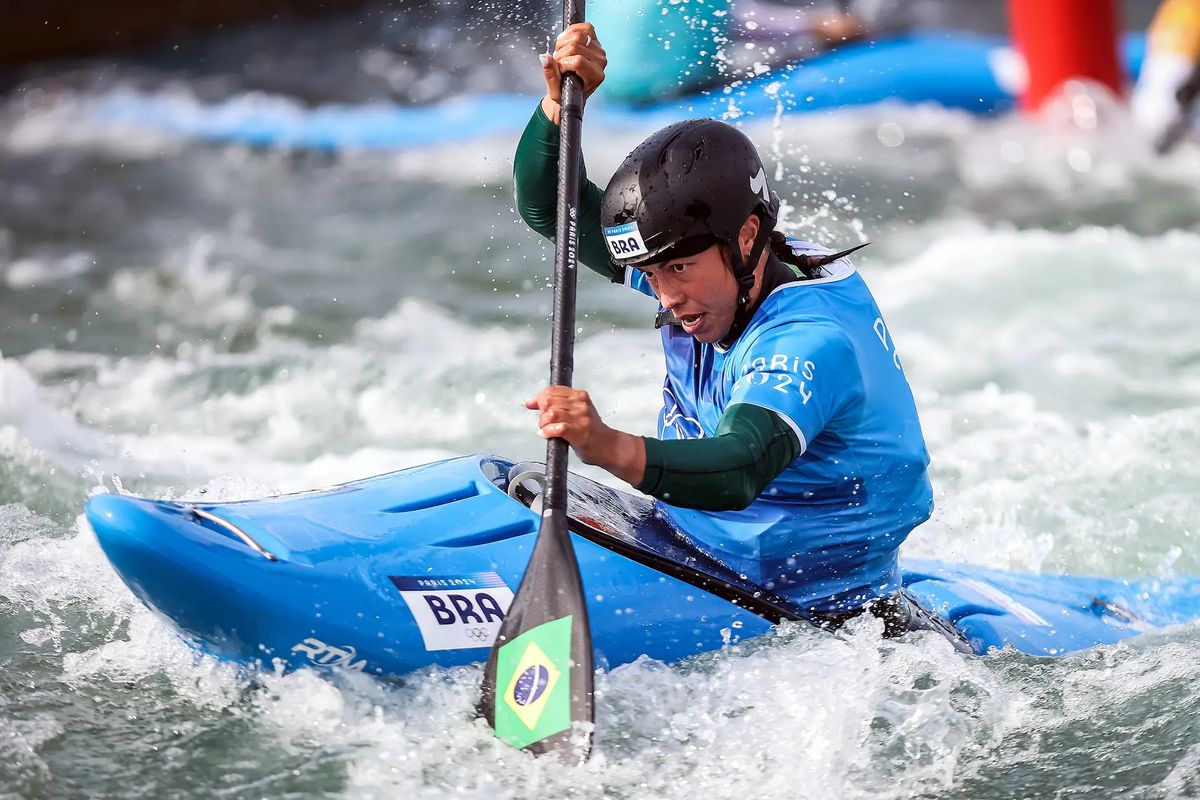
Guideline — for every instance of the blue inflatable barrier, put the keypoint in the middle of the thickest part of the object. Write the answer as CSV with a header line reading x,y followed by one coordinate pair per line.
x,y
417,567
955,70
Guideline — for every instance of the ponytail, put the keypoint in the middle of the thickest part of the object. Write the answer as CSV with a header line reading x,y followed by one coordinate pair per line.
x,y
784,252
811,267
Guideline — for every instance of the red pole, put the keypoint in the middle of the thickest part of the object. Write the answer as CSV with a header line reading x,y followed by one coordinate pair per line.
x,y
1063,39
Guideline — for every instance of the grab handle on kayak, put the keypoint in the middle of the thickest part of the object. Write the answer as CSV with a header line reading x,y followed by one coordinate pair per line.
x,y
235,530
517,489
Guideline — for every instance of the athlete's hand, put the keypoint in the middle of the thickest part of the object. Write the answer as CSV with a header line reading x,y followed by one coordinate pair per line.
x,y
567,413
576,50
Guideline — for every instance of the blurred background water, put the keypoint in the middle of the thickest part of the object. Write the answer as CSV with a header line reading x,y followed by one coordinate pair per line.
x,y
178,318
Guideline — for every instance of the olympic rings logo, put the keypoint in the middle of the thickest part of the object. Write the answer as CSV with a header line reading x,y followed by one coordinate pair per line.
x,y
477,634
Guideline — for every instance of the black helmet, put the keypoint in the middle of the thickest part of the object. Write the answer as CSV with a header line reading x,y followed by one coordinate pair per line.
x,y
689,185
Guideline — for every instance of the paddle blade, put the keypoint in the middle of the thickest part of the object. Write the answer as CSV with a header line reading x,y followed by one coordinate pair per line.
x,y
538,682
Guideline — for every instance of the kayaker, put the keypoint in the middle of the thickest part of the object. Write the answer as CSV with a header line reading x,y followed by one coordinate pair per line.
x,y
1164,100
788,439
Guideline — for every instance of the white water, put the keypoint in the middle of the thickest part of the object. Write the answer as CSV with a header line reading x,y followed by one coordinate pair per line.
x,y
241,323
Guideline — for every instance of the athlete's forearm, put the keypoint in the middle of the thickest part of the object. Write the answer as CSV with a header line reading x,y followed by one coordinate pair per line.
x,y
624,456
724,472
535,174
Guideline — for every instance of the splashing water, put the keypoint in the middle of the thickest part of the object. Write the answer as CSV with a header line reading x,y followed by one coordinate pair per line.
x,y
185,320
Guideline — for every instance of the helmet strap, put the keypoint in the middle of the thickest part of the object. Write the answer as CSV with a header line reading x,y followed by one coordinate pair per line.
x,y
744,272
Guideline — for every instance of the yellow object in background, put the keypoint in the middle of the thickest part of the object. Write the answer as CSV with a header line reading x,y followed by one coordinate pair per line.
x,y
1176,29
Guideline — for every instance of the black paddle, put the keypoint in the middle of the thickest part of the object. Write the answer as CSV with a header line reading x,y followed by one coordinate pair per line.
x,y
537,685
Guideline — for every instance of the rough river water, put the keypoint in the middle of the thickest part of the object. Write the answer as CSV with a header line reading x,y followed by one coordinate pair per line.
x,y
179,319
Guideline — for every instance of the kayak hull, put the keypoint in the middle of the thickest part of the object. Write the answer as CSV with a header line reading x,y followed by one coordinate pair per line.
x,y
416,568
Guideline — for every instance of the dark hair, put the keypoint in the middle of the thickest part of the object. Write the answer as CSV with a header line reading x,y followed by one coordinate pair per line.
x,y
811,267
784,252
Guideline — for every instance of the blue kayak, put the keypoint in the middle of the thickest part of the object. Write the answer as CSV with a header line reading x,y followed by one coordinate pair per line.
x,y
978,74
418,567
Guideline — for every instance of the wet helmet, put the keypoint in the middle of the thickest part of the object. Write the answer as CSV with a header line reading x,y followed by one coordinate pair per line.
x,y
686,187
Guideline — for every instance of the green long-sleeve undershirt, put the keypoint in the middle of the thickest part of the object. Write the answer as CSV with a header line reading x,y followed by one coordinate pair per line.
x,y
752,445
727,471
535,173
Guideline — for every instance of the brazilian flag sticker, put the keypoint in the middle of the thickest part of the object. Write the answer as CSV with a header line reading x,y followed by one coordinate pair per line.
x,y
534,670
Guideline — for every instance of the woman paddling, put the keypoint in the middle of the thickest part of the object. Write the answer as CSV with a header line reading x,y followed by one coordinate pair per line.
x,y
788,438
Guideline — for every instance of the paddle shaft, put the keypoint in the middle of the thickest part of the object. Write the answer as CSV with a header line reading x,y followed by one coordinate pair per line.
x,y
537,689
566,262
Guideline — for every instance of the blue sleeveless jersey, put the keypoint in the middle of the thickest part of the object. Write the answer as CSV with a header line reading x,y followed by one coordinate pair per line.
x,y
826,532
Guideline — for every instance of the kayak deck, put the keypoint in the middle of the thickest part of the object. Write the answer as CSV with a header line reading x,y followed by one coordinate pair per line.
x,y
416,567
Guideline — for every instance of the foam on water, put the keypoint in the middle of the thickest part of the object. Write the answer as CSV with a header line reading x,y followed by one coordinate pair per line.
x,y
39,121
247,322
1074,366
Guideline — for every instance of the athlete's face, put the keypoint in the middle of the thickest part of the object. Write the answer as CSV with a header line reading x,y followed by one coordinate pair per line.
x,y
700,289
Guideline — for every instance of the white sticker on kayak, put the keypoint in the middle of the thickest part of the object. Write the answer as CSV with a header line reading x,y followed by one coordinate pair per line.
x,y
625,240
321,654
456,612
